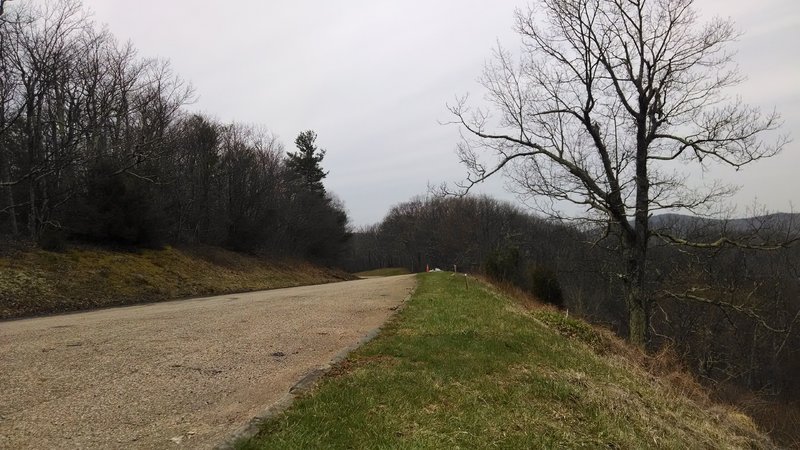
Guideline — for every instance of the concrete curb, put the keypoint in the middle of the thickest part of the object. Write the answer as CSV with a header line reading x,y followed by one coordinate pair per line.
x,y
305,384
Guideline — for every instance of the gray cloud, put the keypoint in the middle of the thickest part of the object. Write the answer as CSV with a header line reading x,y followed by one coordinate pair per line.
x,y
373,78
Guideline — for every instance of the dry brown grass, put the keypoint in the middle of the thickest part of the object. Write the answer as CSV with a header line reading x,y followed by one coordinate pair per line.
x,y
665,364
779,418
34,282
666,369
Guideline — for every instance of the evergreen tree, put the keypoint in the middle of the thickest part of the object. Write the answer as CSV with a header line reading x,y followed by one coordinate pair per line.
x,y
305,162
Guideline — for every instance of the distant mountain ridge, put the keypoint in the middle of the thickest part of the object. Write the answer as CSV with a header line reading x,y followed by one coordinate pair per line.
x,y
685,224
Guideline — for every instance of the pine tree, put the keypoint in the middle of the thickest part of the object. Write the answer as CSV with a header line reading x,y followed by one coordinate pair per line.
x,y
305,162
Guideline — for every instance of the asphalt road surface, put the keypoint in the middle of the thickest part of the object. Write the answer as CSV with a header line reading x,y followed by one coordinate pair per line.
x,y
182,374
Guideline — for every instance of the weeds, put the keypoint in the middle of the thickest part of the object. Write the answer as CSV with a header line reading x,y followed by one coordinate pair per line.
x,y
462,368
40,282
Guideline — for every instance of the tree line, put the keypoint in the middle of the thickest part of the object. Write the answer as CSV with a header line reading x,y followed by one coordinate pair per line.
x,y
96,144
600,119
731,313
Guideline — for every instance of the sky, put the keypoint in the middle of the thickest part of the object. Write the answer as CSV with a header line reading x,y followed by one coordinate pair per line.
x,y
373,79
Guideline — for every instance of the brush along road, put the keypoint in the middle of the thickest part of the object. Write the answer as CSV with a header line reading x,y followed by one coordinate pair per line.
x,y
182,374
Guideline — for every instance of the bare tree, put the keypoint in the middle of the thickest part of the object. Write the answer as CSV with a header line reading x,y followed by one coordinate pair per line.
x,y
10,109
609,96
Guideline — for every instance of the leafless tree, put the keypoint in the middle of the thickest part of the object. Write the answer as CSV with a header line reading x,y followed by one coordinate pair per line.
x,y
96,144
69,97
605,102
11,108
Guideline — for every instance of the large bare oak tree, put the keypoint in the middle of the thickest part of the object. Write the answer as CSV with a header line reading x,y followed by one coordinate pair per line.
x,y
607,104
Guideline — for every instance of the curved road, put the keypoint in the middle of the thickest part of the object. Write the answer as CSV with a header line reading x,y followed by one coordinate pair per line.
x,y
181,374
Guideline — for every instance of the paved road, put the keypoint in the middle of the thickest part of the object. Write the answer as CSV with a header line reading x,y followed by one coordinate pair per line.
x,y
181,374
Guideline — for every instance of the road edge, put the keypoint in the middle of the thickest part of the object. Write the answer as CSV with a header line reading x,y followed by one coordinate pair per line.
x,y
305,384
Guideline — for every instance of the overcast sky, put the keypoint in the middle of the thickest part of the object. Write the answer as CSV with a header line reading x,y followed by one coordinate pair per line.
x,y
373,78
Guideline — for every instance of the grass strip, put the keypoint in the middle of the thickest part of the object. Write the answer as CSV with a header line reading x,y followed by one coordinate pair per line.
x,y
387,272
462,366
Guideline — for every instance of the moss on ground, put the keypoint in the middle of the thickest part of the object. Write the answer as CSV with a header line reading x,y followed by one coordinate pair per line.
x,y
34,282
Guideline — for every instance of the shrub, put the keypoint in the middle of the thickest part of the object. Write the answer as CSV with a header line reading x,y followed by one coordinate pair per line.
x,y
503,265
120,209
52,239
543,283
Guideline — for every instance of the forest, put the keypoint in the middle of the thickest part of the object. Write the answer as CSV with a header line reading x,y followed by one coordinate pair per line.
x,y
738,332
97,145
740,337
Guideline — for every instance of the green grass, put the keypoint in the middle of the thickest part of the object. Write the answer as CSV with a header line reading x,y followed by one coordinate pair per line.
x,y
39,282
465,367
387,272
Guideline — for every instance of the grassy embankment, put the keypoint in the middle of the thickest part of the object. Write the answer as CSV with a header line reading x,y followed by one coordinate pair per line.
x,y
387,272
39,282
464,366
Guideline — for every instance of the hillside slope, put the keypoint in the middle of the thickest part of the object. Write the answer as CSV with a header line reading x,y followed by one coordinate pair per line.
x,y
463,366
34,282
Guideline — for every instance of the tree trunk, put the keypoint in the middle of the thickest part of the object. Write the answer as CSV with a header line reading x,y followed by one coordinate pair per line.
x,y
636,297
32,212
8,195
638,317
